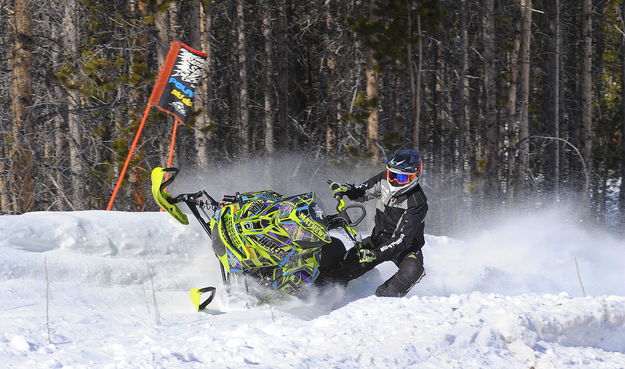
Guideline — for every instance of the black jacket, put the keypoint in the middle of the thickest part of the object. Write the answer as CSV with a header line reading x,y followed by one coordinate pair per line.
x,y
399,222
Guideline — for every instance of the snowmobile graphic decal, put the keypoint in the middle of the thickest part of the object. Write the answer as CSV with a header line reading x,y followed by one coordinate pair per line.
x,y
277,240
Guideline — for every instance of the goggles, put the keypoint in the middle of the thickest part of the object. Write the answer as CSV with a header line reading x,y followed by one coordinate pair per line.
x,y
401,178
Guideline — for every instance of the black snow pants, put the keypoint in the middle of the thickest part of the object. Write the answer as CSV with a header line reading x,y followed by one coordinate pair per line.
x,y
410,264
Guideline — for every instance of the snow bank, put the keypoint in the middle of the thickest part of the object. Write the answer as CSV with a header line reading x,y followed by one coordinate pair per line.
x,y
98,247
507,297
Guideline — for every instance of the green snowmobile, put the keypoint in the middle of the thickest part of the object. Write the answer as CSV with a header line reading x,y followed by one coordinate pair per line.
x,y
278,240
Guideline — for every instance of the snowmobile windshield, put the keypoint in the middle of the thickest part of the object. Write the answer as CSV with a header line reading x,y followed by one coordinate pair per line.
x,y
317,211
307,222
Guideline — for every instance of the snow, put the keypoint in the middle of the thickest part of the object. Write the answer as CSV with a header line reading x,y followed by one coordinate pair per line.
x,y
111,291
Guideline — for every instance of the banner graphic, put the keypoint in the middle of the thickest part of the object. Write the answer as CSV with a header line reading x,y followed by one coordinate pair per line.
x,y
175,86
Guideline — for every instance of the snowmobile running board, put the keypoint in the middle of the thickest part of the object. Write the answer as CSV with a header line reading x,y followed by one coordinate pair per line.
x,y
195,294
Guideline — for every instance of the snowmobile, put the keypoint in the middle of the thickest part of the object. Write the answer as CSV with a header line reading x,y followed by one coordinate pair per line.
x,y
277,240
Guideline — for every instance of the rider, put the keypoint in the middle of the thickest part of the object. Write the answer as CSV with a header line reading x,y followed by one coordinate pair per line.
x,y
399,223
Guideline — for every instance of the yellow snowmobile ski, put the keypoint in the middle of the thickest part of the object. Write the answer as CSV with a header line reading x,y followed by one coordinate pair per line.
x,y
162,198
195,295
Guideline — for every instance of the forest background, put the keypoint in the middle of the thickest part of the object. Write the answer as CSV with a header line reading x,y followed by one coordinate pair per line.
x,y
513,103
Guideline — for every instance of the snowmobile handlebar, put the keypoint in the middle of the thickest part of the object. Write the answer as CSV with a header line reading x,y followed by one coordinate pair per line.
x,y
342,213
341,209
230,198
195,199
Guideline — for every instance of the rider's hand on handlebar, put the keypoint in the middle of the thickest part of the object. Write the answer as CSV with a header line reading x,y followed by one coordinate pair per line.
x,y
339,189
366,256
365,253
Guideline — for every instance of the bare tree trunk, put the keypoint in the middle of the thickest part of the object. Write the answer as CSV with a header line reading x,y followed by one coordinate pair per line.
x,y
473,93
398,106
139,57
283,74
330,49
586,86
372,76
372,120
267,26
59,127
555,90
197,24
21,105
461,102
513,122
526,29
415,86
5,200
78,172
243,116
174,27
161,22
5,179
204,124
490,96
439,113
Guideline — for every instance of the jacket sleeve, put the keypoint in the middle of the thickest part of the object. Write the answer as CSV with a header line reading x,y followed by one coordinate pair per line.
x,y
367,190
409,230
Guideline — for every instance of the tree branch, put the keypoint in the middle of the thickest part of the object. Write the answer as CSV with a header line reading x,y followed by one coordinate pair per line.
x,y
579,154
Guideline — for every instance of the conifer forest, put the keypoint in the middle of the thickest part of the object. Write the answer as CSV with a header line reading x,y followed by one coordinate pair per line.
x,y
512,103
